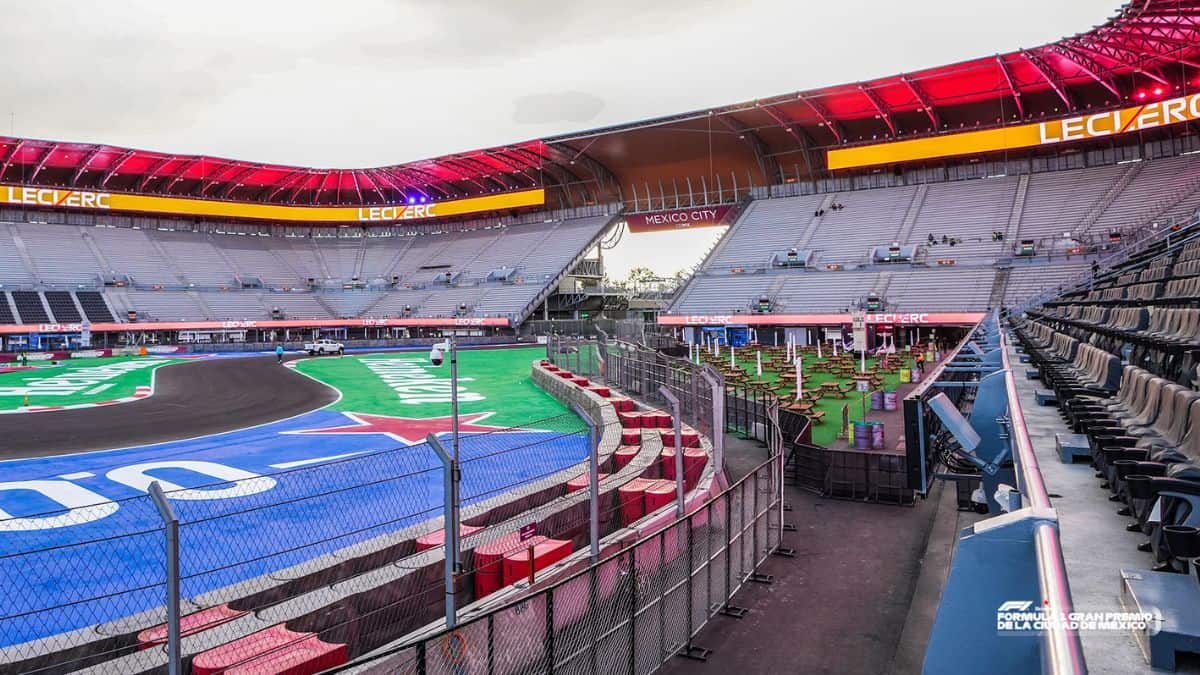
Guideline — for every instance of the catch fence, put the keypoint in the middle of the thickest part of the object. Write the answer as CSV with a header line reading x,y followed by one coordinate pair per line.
x,y
628,614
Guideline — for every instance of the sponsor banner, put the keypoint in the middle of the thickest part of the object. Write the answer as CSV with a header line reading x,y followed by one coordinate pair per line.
x,y
91,353
679,219
493,322
890,318
88,200
166,349
1067,129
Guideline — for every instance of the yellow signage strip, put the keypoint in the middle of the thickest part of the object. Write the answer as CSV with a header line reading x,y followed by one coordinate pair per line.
x,y
1083,127
88,200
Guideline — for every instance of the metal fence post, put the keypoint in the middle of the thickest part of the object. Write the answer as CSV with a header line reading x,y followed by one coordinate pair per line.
x,y
673,401
171,527
593,483
633,607
449,523
549,631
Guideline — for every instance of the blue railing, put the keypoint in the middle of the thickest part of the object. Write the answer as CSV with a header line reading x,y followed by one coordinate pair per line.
x,y
1011,562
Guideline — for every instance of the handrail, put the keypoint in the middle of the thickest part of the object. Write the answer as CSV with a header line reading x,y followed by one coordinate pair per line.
x,y
1062,652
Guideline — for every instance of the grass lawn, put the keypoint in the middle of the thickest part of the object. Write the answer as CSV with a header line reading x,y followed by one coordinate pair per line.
x,y
825,432
490,380
76,381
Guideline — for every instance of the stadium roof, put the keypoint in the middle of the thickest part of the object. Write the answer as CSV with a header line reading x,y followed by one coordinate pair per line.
x,y
1150,48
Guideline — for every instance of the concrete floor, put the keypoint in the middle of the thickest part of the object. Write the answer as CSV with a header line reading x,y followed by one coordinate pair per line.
x,y
841,605
1094,541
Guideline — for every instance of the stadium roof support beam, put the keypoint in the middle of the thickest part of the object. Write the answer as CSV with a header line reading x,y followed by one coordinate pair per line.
x,y
826,120
286,183
1089,66
183,169
1047,74
152,170
42,162
321,186
116,166
426,179
83,166
366,175
880,107
922,99
599,171
11,154
766,164
234,182
1012,86
357,189
515,167
1101,44
1132,65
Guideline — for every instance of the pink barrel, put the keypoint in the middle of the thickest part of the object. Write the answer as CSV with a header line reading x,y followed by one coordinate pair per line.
x,y
890,400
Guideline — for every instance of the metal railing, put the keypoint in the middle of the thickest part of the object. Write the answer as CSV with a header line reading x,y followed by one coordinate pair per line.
x,y
1062,652
628,614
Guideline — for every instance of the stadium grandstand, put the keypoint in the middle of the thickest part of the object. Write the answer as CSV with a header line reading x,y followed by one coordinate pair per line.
x,y
929,403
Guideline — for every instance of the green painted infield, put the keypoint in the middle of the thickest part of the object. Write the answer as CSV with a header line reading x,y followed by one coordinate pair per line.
x,y
406,384
78,381
825,433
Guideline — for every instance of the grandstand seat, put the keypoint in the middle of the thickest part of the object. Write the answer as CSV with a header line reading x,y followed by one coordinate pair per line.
x,y
273,650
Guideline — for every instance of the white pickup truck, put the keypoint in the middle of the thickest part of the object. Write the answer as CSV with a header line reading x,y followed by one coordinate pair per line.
x,y
324,346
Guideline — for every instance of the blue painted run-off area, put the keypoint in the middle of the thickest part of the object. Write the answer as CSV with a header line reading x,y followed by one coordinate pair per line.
x,y
299,497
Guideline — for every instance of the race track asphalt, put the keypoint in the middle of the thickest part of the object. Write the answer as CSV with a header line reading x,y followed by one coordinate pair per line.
x,y
196,398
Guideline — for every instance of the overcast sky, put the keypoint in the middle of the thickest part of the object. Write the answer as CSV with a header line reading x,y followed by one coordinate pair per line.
x,y
362,83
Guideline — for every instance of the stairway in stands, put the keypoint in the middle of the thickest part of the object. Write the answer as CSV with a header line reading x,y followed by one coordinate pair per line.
x,y
6,311
999,287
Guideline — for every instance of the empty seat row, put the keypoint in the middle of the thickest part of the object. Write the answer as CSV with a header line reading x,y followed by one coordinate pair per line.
x,y
1144,439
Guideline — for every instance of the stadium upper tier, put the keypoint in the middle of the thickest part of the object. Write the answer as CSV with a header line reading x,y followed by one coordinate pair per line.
x,y
170,276
979,225
1148,52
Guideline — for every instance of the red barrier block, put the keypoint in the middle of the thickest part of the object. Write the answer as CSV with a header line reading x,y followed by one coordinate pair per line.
x,y
581,381
625,454
602,392
489,558
190,624
694,460
656,419
631,438
580,482
565,374
630,420
658,494
622,404
632,499
545,553
274,650
689,439
438,539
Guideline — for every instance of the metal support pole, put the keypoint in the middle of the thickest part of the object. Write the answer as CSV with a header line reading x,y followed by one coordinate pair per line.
x,y
450,522
593,483
171,526
673,401
717,432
